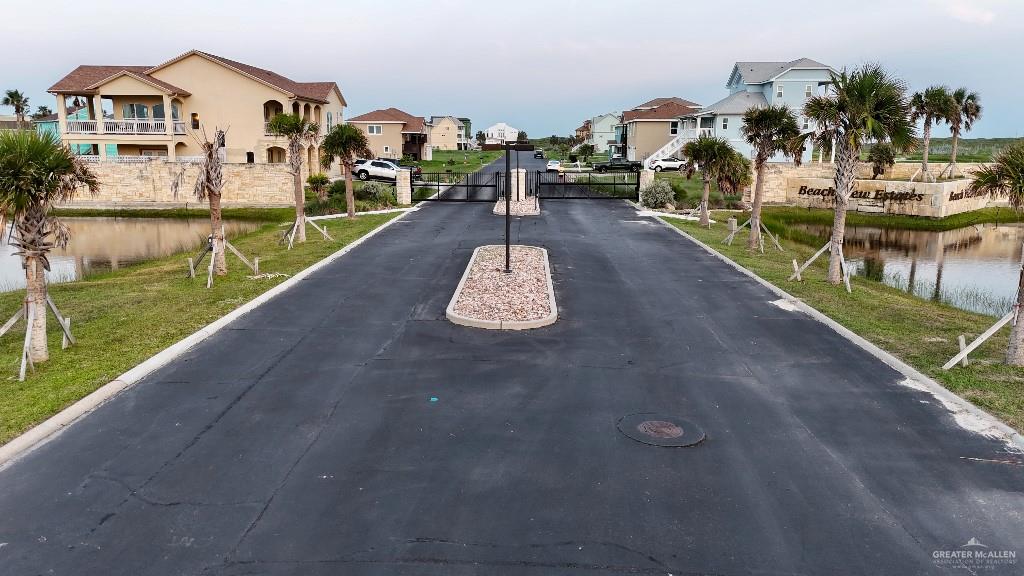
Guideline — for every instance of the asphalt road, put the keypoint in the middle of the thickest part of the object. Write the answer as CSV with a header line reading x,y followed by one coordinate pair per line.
x,y
347,427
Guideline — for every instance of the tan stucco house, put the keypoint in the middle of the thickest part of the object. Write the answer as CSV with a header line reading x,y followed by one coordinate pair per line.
x,y
159,110
651,125
447,133
393,133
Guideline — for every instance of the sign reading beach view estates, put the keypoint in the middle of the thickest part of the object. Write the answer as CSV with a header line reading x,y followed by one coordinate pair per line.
x,y
933,199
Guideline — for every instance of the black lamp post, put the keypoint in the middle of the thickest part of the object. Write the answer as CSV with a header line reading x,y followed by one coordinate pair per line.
x,y
508,209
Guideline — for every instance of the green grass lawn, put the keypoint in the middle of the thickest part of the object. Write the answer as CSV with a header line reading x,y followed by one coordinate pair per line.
x,y
464,160
919,332
968,149
121,318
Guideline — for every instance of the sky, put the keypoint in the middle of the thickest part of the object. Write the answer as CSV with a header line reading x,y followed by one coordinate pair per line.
x,y
541,66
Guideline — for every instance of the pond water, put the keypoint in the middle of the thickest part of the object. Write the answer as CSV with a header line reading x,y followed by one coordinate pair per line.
x,y
104,244
974,268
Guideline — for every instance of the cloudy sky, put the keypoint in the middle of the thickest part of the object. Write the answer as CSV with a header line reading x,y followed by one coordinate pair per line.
x,y
541,66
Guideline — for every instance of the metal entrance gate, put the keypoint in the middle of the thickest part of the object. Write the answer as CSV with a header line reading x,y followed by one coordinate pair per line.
x,y
585,185
459,187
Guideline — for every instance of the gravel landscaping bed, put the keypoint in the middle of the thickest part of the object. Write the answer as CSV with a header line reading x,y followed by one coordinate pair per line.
x,y
527,207
488,295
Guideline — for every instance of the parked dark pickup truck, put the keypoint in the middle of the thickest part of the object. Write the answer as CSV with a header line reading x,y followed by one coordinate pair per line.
x,y
618,165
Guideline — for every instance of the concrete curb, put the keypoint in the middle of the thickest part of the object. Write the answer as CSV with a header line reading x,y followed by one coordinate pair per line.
x,y
981,421
367,213
461,320
51,427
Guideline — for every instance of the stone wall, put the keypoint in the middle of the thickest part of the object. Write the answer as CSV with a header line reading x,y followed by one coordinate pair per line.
x,y
812,185
148,185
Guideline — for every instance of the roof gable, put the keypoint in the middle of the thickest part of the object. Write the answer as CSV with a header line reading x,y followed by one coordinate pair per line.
x,y
156,83
667,111
761,72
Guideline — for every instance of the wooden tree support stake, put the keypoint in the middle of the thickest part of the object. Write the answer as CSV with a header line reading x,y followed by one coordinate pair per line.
x,y
810,261
64,324
191,268
980,340
26,356
796,271
321,230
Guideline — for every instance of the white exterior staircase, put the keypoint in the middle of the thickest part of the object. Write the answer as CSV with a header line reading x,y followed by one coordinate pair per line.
x,y
676,144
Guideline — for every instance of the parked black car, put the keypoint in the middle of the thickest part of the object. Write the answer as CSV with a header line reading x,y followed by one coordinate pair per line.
x,y
618,165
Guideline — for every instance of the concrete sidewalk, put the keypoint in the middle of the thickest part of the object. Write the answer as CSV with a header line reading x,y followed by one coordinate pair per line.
x,y
304,439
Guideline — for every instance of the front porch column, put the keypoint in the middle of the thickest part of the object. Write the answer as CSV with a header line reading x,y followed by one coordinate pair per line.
x,y
171,157
62,115
168,121
97,107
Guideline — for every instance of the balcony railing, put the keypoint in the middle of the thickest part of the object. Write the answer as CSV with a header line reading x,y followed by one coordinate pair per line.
x,y
132,126
81,126
138,126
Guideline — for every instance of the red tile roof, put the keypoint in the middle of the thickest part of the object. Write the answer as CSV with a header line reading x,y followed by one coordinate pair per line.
x,y
84,79
667,111
412,123
661,101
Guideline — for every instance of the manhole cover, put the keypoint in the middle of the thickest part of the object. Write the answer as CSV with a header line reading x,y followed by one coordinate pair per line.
x,y
660,430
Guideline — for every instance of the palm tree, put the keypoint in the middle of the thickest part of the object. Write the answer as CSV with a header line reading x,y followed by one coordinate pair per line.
x,y
19,102
710,156
934,105
1005,177
965,112
300,133
882,157
865,105
37,172
346,143
769,130
736,174
209,186
42,112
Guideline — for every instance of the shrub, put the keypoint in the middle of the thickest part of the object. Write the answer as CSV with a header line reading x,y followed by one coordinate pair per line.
x,y
377,193
337,188
657,194
318,185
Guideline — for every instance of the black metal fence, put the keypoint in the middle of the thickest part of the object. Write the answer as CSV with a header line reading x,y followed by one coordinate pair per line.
x,y
459,187
584,185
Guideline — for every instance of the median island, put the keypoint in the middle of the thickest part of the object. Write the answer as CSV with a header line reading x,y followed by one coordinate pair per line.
x,y
488,297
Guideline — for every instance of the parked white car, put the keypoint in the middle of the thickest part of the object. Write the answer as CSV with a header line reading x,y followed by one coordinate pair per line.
x,y
670,163
553,165
375,170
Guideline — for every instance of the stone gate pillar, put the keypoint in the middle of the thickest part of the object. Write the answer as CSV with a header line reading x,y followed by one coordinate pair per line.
x,y
403,187
519,177
646,179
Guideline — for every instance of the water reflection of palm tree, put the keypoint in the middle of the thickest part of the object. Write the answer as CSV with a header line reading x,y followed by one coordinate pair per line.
x,y
940,259
913,275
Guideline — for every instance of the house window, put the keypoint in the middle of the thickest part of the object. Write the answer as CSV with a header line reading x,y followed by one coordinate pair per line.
x,y
673,128
250,158
387,149
374,129
329,121
195,121
778,91
808,91
806,124
725,123
132,111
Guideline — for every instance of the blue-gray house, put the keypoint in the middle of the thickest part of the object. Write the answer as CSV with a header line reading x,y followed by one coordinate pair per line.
x,y
753,84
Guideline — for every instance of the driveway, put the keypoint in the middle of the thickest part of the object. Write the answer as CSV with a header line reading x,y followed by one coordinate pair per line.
x,y
346,427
